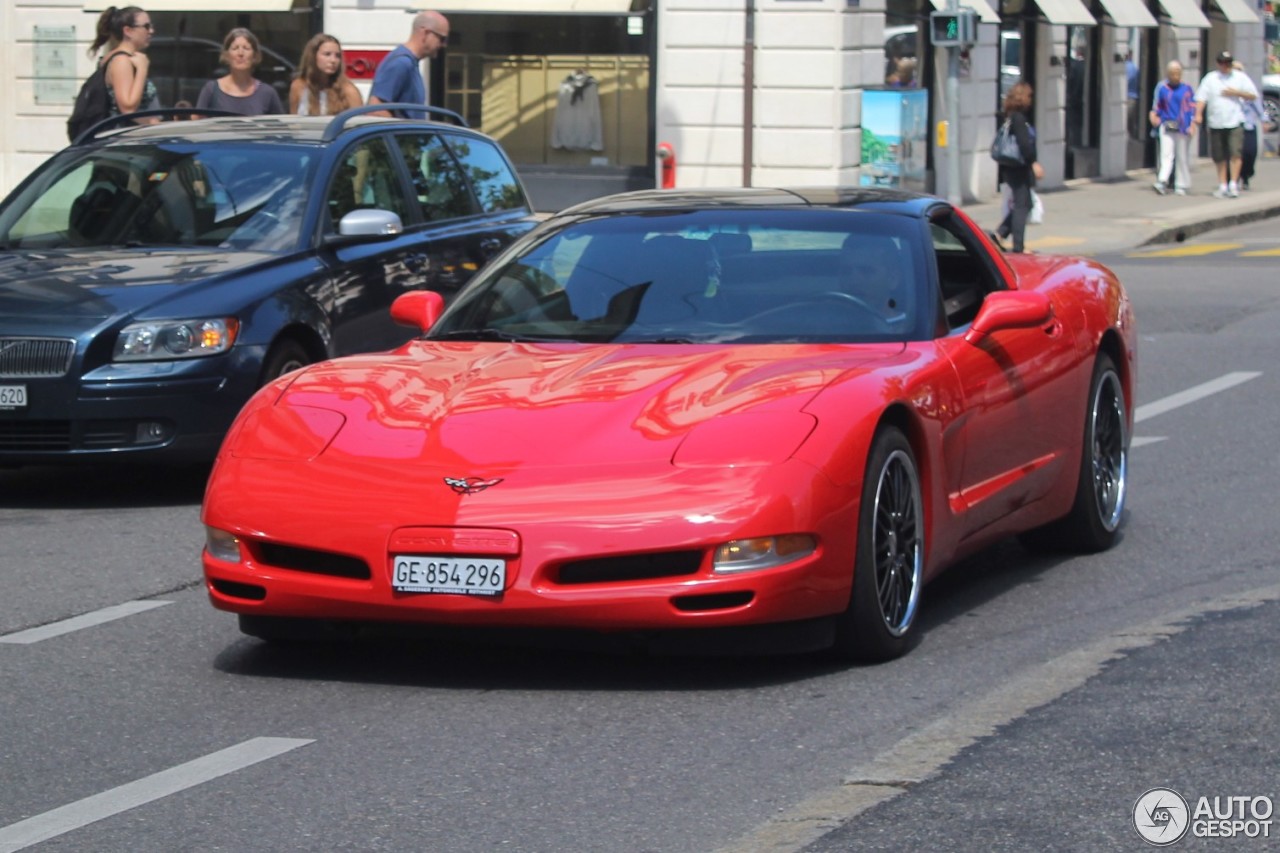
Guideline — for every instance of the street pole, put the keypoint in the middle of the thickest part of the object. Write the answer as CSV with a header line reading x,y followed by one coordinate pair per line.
x,y
953,117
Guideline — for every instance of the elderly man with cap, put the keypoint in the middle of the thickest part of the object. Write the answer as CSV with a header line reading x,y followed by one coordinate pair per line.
x,y
1219,101
398,79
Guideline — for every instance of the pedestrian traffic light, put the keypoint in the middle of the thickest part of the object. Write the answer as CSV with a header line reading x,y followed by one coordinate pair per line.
x,y
954,27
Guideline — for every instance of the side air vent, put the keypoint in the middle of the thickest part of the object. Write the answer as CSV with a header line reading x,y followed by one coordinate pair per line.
x,y
316,562
632,567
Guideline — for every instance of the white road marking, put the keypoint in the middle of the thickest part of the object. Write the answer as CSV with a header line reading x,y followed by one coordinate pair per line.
x,y
76,623
1141,440
42,827
1191,395
924,754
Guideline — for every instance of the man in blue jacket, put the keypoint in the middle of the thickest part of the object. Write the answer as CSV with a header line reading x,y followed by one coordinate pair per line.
x,y
1173,114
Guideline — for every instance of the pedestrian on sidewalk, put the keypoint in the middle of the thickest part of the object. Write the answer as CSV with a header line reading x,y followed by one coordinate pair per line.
x,y
1219,102
1173,115
399,78
1020,179
1253,120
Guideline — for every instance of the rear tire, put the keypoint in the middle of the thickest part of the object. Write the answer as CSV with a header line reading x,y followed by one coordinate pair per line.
x,y
1102,484
880,623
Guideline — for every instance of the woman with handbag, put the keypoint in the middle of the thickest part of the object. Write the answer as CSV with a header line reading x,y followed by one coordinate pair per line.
x,y
1019,177
1173,113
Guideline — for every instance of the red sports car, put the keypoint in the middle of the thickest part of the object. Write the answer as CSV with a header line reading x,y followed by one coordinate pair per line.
x,y
689,410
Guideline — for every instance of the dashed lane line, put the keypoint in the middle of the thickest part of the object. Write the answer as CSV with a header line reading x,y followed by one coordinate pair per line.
x,y
1192,395
77,623
42,827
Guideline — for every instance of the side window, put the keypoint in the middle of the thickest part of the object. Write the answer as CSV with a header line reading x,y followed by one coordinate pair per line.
x,y
438,182
495,185
366,178
964,278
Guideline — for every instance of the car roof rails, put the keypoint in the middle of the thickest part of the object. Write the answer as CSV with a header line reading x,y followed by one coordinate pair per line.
x,y
167,113
339,121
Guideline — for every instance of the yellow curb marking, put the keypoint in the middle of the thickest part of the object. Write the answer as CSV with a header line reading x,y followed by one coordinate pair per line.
x,y
1188,251
1054,242
1261,253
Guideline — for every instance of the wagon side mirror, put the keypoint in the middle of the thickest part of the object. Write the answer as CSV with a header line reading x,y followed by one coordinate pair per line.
x,y
418,308
1009,309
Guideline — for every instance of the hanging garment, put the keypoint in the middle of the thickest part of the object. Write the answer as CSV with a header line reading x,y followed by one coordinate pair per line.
x,y
577,124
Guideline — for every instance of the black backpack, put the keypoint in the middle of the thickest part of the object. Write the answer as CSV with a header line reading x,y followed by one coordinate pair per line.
x,y
92,105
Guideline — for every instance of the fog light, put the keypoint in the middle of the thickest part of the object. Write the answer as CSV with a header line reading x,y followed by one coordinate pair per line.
x,y
222,545
151,432
766,552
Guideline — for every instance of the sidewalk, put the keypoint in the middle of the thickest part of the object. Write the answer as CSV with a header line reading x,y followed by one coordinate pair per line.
x,y
1089,218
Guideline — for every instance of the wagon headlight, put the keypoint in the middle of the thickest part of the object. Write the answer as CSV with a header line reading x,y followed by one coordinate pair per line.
x,y
222,545
766,552
165,339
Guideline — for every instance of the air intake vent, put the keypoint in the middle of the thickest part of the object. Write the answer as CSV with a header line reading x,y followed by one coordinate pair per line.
x,y
35,435
632,567
317,562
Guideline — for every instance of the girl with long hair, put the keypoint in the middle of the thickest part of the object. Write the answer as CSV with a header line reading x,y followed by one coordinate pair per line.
x,y
321,86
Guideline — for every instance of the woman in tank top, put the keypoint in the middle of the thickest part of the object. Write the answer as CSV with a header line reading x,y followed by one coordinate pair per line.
x,y
322,86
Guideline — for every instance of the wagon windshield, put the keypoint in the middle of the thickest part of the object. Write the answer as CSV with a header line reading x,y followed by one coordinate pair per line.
x,y
707,276
227,196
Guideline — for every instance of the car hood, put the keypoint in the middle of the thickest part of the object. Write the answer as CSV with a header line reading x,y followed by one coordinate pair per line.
x,y
68,286
465,406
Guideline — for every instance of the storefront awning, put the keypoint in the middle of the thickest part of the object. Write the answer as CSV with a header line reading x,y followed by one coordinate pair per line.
x,y
539,7
199,5
1236,11
1066,12
1185,13
986,14
1129,13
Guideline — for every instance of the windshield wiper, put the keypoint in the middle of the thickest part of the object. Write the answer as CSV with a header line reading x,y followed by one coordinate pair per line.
x,y
486,334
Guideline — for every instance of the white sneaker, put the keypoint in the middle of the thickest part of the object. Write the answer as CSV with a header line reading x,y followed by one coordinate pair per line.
x,y
1220,192
1233,191
1160,188
1179,191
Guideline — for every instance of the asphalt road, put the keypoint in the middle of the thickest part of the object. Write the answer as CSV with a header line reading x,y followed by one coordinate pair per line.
x,y
1046,696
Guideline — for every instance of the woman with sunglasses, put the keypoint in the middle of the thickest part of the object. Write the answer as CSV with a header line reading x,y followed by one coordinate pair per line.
x,y
126,34
322,86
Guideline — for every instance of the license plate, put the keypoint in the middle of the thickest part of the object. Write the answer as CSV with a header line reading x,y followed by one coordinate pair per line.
x,y
456,575
13,396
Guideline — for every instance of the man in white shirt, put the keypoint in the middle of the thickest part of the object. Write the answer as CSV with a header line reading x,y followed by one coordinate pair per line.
x,y
1220,98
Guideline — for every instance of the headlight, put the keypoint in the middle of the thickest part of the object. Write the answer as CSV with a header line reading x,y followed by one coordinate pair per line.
x,y
222,545
767,552
165,339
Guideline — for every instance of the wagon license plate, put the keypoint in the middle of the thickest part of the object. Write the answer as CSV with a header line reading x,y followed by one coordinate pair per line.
x,y
13,396
455,575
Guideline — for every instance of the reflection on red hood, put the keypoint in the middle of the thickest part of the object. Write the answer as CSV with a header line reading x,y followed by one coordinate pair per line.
x,y
559,404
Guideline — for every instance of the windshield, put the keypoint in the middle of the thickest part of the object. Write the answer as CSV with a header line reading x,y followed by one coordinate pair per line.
x,y
709,276
231,196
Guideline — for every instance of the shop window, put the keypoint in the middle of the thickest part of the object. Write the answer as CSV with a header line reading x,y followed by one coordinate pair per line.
x,y
904,43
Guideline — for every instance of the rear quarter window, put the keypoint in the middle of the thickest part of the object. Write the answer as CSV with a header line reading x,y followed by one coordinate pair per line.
x,y
491,177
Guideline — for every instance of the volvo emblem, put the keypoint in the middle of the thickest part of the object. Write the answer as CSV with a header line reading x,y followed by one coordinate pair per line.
x,y
470,485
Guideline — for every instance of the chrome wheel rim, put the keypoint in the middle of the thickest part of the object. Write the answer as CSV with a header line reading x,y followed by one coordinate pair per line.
x,y
1110,449
897,543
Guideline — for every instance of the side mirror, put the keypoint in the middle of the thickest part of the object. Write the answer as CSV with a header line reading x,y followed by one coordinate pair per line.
x,y
370,222
1009,309
418,308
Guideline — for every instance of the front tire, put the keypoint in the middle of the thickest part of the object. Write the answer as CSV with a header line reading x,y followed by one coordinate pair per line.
x,y
880,623
1102,485
285,356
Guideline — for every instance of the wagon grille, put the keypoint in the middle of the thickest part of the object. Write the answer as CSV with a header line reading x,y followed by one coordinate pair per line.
x,y
34,358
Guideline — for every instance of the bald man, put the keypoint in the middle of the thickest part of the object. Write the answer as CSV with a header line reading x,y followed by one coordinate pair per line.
x,y
398,79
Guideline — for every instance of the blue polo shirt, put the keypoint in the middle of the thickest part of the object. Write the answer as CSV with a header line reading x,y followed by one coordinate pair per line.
x,y
398,80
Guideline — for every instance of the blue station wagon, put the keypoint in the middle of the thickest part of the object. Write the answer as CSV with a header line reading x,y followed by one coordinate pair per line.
x,y
152,277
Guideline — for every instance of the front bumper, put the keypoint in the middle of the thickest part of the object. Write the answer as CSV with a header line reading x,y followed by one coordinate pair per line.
x,y
171,410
